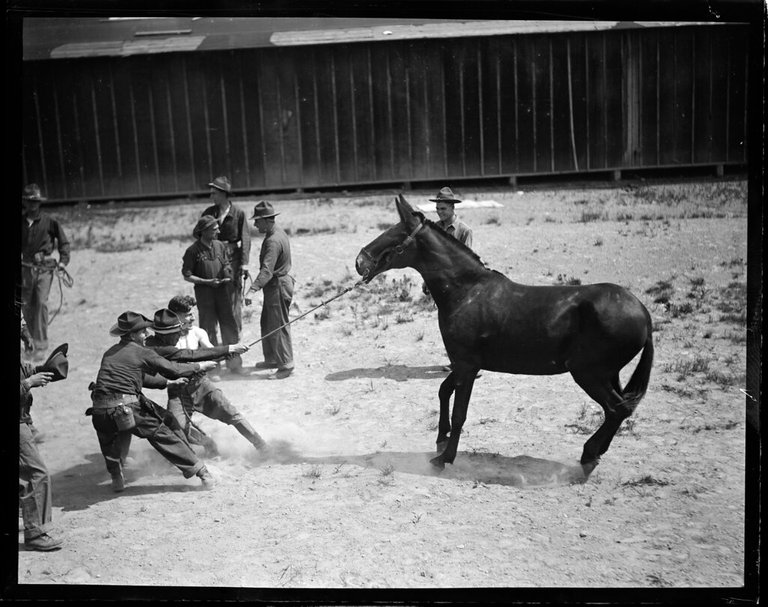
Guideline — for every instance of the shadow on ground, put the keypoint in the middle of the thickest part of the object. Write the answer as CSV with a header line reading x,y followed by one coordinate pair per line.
x,y
396,372
488,468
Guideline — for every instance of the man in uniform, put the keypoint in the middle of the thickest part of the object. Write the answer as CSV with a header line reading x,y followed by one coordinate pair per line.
x,y
235,233
276,282
206,265
445,202
199,394
121,410
40,235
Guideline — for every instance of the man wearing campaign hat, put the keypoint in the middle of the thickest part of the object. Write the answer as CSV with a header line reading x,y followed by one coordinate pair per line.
x,y
445,202
40,236
35,495
206,265
276,282
121,410
235,233
199,394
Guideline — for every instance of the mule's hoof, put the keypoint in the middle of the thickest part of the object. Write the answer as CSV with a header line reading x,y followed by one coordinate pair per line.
x,y
438,463
588,467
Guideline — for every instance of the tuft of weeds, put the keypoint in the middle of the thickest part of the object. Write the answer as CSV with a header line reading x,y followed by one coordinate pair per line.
x,y
589,216
313,472
564,279
645,481
661,292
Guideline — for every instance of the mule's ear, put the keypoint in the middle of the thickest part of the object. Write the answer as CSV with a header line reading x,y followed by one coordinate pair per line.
x,y
405,210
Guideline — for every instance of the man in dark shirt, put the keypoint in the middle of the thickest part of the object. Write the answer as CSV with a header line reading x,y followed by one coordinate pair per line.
x,y
206,265
199,394
40,235
118,401
277,283
235,233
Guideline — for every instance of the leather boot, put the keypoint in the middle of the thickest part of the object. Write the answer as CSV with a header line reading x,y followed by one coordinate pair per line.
x,y
249,433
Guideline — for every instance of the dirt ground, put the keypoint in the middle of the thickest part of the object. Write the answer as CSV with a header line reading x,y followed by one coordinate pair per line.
x,y
348,499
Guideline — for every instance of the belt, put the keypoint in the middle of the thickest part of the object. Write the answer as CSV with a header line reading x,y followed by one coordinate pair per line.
x,y
110,401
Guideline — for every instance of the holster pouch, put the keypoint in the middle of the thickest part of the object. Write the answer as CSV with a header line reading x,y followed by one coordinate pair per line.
x,y
123,417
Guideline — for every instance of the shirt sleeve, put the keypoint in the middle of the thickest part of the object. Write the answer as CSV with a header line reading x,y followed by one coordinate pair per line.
x,y
62,242
187,263
467,240
154,364
245,240
268,262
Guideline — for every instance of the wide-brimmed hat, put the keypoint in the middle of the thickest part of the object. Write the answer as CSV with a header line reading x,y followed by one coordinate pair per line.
x,y
166,322
128,322
445,195
57,363
32,193
221,183
205,222
263,210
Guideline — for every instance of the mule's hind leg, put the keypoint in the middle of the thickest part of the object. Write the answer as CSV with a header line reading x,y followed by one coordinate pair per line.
x,y
606,391
444,427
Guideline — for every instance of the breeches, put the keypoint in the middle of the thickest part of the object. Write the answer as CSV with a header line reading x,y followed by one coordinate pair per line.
x,y
114,443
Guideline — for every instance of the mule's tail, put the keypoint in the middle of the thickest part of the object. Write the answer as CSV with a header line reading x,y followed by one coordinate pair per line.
x,y
638,384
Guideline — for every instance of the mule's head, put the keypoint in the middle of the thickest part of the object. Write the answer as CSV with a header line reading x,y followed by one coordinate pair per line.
x,y
395,247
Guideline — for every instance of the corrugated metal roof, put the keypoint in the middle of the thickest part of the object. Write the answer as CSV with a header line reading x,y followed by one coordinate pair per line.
x,y
59,38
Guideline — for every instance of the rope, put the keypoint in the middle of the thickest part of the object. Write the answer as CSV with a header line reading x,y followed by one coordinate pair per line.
x,y
320,305
62,277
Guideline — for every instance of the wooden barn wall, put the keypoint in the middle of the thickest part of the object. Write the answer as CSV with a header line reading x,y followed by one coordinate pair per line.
x,y
334,115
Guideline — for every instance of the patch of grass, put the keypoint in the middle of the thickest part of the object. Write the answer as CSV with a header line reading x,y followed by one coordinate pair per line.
x,y
589,216
564,279
678,310
313,472
598,242
645,481
684,368
661,292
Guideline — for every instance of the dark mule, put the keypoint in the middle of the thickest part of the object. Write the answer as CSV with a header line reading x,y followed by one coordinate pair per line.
x,y
489,322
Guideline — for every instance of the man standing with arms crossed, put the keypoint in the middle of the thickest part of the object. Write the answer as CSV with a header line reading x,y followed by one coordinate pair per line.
x,y
277,284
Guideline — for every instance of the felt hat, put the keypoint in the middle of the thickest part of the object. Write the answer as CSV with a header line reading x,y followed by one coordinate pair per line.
x,y
263,210
205,222
166,322
128,322
445,195
221,183
57,363
32,193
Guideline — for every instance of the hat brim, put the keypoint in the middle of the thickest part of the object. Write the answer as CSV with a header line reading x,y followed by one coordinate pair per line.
x,y
117,331
57,363
35,199
166,330
451,200
218,187
265,216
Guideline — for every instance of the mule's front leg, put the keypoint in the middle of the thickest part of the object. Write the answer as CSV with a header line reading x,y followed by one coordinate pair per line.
x,y
444,426
464,379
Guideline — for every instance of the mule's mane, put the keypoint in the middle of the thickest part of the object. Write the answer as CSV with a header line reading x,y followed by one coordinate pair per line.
x,y
455,241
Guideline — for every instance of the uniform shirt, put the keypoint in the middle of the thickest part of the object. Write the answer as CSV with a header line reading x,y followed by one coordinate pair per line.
x,y
206,262
274,257
458,229
234,229
42,236
124,366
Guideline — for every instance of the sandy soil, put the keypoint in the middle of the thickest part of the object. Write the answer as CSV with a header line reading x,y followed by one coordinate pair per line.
x,y
348,499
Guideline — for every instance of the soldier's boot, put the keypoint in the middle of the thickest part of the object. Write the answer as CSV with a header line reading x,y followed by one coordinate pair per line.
x,y
244,428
